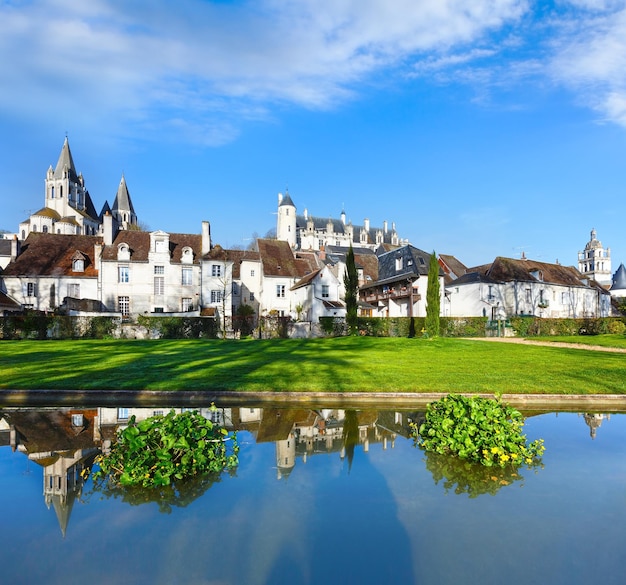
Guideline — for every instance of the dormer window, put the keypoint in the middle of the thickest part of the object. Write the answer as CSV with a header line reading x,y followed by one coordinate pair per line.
x,y
123,252
160,246
399,263
78,265
187,255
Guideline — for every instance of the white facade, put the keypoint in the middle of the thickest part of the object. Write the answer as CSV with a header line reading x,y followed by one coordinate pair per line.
x,y
319,296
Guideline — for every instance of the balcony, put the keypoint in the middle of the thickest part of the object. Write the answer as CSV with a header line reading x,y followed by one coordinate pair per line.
x,y
392,293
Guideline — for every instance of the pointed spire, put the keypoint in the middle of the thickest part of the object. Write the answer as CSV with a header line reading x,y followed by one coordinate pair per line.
x,y
66,162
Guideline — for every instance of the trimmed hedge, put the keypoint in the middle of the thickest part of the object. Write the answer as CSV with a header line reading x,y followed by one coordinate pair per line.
x,y
535,326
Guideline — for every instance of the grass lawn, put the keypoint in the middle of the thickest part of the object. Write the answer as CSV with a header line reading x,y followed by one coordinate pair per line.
x,y
332,365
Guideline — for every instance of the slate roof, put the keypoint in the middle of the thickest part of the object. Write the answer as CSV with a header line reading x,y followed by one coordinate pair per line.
x,y
66,160
139,244
51,255
414,264
619,278
320,223
122,198
364,258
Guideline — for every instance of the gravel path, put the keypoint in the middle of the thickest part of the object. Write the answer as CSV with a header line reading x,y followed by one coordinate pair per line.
x,y
552,344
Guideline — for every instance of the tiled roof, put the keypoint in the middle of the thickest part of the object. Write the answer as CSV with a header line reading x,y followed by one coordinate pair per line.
x,y
509,269
8,304
234,256
51,255
139,244
278,259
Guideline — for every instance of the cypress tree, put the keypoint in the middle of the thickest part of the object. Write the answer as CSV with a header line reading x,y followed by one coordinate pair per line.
x,y
351,283
433,298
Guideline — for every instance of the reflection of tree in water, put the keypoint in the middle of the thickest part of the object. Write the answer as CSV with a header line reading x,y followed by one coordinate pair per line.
x,y
350,435
176,495
465,477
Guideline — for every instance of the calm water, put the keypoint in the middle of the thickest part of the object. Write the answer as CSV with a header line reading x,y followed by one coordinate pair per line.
x,y
304,507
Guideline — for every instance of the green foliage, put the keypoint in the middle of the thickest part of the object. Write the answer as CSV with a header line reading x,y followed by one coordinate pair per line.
x,y
180,327
463,326
433,298
162,450
480,430
334,326
351,283
243,321
536,326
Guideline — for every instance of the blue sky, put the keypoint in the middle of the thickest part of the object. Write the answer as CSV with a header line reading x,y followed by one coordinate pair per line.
x,y
481,128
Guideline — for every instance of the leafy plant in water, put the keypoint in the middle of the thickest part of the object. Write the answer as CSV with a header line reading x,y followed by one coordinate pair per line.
x,y
164,449
481,430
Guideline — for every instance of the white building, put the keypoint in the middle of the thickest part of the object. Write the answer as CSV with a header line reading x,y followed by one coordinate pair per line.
x,y
510,287
307,232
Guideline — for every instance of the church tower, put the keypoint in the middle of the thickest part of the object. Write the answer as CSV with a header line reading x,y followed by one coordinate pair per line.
x,y
123,211
594,261
286,222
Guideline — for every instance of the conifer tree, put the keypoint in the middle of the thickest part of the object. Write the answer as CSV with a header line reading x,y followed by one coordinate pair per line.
x,y
433,298
351,283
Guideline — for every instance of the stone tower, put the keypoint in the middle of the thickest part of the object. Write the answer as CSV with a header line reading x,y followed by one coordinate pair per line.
x,y
286,222
123,211
595,261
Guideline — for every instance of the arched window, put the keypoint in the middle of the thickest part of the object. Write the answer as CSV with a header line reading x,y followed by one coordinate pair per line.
x,y
45,229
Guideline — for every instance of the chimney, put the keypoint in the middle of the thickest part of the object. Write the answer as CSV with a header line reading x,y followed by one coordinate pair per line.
x,y
15,248
306,214
280,198
366,224
206,237
107,225
97,253
343,217
385,226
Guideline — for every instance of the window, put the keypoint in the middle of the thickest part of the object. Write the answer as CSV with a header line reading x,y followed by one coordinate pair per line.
x,y
122,414
235,288
325,291
187,278
157,413
123,274
158,310
78,420
399,263
252,272
251,296
123,306
78,265
529,297
280,291
31,289
187,304
159,269
216,270
216,296
159,285
73,290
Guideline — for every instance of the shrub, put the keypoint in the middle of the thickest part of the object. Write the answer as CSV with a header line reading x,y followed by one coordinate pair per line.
x,y
482,430
161,450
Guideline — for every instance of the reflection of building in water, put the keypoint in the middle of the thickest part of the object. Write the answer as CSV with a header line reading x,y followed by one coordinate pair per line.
x,y
594,422
62,442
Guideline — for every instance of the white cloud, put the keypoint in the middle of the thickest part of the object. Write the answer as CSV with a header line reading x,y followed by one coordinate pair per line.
x,y
127,61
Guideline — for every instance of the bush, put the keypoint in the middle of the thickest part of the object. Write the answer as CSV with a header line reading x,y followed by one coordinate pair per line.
x,y
161,450
481,430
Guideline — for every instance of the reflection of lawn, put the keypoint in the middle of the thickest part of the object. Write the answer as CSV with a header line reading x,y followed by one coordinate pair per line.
x,y
332,365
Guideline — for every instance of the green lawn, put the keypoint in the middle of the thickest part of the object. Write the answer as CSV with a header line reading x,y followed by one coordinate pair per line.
x,y
331,365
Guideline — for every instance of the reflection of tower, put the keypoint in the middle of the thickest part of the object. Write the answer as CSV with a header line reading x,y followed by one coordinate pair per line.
x,y
62,482
286,456
594,422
